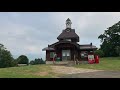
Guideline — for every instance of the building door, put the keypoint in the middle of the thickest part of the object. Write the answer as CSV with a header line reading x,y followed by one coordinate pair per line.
x,y
66,55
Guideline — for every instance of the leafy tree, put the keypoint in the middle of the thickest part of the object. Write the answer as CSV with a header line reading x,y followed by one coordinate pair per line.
x,y
100,53
111,40
22,59
32,62
14,63
42,61
118,50
37,61
6,59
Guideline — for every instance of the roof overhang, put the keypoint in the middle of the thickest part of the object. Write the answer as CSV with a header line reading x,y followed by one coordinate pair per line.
x,y
88,47
47,48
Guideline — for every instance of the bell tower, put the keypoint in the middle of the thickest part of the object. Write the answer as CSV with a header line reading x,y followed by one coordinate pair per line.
x,y
68,23
68,34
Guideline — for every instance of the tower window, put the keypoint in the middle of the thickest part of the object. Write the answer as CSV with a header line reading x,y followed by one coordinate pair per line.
x,y
68,39
67,30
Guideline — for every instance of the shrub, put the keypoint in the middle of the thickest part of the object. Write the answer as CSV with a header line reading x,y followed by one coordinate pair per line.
x,y
100,53
37,61
23,59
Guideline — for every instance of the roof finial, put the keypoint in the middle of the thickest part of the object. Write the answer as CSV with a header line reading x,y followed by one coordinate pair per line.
x,y
68,19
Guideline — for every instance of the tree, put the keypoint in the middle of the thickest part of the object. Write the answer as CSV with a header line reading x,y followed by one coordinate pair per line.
x,y
118,50
100,53
32,62
111,40
6,59
37,61
22,59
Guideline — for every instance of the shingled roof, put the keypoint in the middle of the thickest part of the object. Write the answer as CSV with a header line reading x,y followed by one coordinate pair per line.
x,y
87,46
80,47
51,47
68,35
61,42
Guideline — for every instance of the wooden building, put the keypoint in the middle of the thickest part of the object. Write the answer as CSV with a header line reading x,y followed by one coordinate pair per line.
x,y
67,47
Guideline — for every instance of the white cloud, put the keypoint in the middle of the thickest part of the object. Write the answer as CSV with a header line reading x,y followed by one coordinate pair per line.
x,y
28,33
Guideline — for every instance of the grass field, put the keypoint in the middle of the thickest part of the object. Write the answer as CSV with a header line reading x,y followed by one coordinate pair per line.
x,y
45,71
31,71
109,63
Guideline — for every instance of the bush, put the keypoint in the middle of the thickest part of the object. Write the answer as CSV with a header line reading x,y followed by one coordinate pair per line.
x,y
13,63
22,59
37,61
118,50
100,53
32,62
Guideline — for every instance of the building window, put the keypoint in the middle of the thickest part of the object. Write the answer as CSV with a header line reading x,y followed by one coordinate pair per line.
x,y
51,54
68,39
65,52
66,55
68,30
84,54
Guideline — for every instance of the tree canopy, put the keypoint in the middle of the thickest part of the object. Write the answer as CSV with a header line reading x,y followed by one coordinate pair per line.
x,y
111,40
6,59
100,53
22,59
37,61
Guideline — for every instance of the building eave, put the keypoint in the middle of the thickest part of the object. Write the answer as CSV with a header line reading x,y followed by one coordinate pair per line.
x,y
47,48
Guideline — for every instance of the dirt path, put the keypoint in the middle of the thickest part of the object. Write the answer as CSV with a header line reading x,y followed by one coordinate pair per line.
x,y
72,72
99,74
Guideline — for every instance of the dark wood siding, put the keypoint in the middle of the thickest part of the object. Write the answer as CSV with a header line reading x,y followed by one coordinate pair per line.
x,y
48,55
66,46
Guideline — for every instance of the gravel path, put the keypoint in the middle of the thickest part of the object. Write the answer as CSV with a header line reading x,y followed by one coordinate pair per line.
x,y
99,74
72,72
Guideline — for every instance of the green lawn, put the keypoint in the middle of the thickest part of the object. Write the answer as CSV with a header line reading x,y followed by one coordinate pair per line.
x,y
109,63
45,71
31,71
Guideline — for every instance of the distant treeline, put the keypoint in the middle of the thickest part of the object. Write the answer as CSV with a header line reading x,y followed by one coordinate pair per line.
x,y
7,60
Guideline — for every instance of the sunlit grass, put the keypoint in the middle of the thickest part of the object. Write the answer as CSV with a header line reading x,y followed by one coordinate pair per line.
x,y
109,63
31,71
45,71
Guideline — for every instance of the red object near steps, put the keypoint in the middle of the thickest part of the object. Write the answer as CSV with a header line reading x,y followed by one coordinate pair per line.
x,y
91,59
96,59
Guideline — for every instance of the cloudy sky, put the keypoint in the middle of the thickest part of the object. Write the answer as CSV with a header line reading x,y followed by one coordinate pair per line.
x,y
29,32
